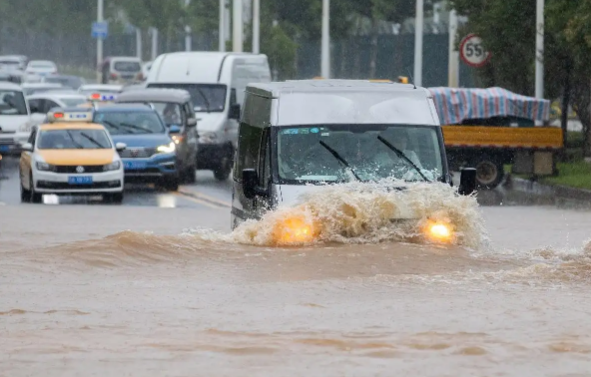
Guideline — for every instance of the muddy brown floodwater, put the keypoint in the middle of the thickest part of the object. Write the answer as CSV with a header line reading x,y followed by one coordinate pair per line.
x,y
113,291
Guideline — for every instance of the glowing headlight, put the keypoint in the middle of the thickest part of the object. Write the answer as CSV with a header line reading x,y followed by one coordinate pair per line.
x,y
294,230
43,166
177,138
439,232
112,166
166,148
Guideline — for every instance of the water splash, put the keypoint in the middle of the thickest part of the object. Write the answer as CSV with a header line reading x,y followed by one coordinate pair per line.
x,y
365,213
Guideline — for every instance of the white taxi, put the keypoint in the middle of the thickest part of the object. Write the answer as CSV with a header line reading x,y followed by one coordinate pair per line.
x,y
70,155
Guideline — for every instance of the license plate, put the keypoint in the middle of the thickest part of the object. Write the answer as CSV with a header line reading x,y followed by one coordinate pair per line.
x,y
80,180
134,165
4,148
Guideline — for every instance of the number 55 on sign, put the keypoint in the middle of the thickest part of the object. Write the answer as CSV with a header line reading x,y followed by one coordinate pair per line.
x,y
472,51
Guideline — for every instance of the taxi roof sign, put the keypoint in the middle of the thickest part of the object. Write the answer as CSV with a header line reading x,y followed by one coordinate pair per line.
x,y
69,116
101,97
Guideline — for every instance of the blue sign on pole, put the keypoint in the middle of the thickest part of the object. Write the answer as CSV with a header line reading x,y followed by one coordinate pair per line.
x,y
100,30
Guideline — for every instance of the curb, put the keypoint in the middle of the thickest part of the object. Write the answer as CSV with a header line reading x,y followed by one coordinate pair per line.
x,y
562,192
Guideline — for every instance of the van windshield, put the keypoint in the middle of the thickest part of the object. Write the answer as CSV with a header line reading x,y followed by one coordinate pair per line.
x,y
12,102
339,153
205,97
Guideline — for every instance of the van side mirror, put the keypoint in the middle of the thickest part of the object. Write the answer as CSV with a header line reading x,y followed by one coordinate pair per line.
x,y
234,111
191,122
467,181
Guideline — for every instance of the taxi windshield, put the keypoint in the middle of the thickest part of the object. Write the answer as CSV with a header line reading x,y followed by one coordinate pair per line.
x,y
12,102
338,153
137,122
74,139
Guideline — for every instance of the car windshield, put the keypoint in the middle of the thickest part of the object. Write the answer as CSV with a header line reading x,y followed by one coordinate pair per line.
x,y
170,112
12,102
337,153
42,65
127,66
205,97
74,139
71,102
130,122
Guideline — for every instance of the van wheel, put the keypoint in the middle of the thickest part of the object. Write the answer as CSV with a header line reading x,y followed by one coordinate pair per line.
x,y
222,172
489,172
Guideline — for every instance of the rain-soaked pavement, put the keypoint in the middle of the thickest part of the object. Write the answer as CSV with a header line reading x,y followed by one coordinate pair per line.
x,y
148,290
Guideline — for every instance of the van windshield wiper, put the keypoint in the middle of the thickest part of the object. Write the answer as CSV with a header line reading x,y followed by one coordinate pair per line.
x,y
401,154
204,98
340,159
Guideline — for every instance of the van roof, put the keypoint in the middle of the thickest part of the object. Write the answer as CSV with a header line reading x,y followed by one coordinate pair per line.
x,y
276,89
155,95
209,68
313,102
10,86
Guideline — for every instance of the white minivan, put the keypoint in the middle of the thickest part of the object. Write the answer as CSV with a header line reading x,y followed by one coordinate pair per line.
x,y
14,117
298,136
216,82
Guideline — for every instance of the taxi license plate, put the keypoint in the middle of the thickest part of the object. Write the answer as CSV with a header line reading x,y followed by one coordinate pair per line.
x,y
134,165
80,180
4,148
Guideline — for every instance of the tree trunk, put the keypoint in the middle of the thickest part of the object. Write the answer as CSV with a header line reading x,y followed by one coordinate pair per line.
x,y
373,54
582,102
565,101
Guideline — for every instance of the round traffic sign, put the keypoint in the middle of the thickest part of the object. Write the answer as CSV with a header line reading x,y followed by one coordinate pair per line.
x,y
472,51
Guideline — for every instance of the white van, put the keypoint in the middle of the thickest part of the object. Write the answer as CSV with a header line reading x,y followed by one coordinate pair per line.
x,y
298,135
14,116
216,82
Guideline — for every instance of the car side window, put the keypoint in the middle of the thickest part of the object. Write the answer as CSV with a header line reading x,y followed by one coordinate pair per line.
x,y
248,149
189,110
35,105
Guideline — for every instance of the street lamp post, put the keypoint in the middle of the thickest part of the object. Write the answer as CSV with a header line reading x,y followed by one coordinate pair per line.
x,y
325,60
256,25
418,72
99,42
540,49
238,27
222,26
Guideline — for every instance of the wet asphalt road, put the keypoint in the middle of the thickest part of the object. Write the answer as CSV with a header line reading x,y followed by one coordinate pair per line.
x,y
207,192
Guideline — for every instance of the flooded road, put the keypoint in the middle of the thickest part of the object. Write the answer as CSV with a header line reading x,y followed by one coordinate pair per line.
x,y
134,291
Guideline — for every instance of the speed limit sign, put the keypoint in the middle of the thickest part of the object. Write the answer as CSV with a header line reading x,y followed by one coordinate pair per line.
x,y
472,51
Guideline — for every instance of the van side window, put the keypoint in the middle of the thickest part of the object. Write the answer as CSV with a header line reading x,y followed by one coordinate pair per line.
x,y
248,148
233,99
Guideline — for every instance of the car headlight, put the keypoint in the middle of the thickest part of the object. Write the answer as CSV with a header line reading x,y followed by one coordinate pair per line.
x,y
43,166
208,138
439,232
169,148
115,165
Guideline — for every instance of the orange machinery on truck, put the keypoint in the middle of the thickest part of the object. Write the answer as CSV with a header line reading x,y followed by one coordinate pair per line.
x,y
489,128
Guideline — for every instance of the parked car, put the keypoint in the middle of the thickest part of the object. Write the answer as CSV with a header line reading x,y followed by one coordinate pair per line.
x,y
121,70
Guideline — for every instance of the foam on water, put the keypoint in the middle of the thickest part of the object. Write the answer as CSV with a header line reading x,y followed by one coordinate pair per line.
x,y
366,213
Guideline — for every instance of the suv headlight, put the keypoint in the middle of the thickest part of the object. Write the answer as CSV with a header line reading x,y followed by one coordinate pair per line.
x,y
169,148
115,165
208,138
43,166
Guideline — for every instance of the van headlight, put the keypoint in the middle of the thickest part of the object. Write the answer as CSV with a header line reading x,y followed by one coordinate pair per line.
x,y
115,165
208,138
43,166
168,148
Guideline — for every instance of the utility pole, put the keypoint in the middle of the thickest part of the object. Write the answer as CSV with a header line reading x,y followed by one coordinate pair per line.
x,y
138,43
256,25
99,42
325,53
418,73
154,33
540,49
238,27
222,26
454,56
188,38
